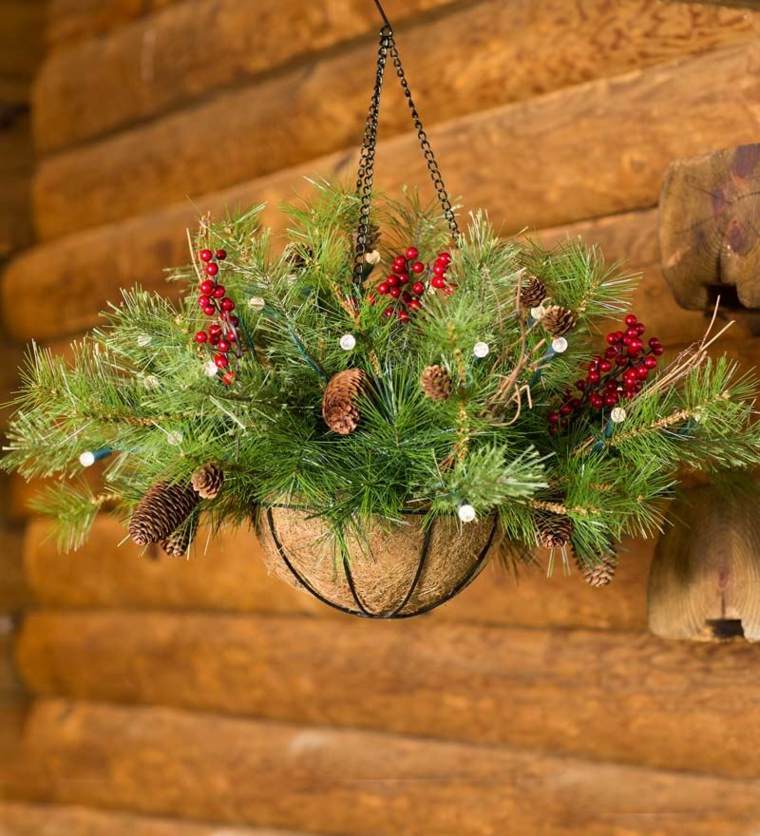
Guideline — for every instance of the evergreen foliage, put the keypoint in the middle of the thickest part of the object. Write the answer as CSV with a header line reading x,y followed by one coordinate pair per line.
x,y
138,386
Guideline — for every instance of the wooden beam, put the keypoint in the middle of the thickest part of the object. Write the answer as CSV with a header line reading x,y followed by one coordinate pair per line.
x,y
585,151
165,762
448,681
158,65
20,819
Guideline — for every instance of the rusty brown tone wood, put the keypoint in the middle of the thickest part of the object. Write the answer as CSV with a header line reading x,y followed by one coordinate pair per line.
x,y
162,761
710,227
609,142
428,679
161,63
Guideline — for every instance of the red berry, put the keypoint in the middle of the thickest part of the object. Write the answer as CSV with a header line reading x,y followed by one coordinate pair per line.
x,y
206,255
228,305
566,409
399,264
234,320
411,253
622,360
642,372
372,298
393,280
632,332
228,378
580,384
415,305
211,269
403,316
439,270
224,346
201,337
640,328
231,337
214,339
203,301
597,401
650,362
383,288
418,288
631,319
407,297
605,366
445,257
388,312
215,330
438,282
611,340
593,377
219,291
403,278
395,292
610,399
418,267
611,352
221,361
221,254
210,310
207,287
553,417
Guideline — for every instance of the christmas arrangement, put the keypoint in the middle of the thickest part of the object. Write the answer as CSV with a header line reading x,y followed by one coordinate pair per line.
x,y
389,399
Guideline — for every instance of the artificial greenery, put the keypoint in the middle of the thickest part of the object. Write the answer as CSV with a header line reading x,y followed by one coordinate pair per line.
x,y
139,387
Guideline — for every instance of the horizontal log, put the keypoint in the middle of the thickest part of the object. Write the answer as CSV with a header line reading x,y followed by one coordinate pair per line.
x,y
585,151
229,574
675,706
157,65
161,62
14,592
19,819
16,229
164,762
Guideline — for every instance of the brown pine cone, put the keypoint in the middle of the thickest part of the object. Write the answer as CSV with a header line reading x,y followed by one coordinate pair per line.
x,y
601,572
436,382
553,531
178,543
532,292
558,320
160,512
339,401
207,481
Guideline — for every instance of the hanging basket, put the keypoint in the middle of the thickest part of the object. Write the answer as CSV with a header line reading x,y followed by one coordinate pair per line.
x,y
394,571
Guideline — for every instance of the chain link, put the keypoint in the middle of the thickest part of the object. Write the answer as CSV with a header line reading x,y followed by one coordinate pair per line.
x,y
366,174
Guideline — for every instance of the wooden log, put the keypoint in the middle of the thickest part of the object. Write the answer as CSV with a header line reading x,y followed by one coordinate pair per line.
x,y
158,66
21,26
15,140
606,696
229,574
609,142
15,213
705,579
709,239
159,63
160,761
19,819
14,592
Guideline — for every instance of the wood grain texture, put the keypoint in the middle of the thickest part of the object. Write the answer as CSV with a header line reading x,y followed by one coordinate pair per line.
x,y
19,819
161,63
555,689
230,575
608,141
162,761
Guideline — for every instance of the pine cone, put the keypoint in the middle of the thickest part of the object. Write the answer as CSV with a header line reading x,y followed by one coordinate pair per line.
x,y
207,481
160,512
553,530
558,320
532,292
601,572
177,543
339,401
436,382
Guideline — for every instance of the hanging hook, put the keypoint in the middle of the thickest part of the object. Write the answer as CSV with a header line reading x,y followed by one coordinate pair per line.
x,y
383,14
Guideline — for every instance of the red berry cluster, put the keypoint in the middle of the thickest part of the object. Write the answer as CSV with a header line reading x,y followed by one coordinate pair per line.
x,y
406,284
221,336
619,374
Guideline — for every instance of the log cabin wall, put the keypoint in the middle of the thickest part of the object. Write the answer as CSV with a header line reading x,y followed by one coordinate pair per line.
x,y
174,697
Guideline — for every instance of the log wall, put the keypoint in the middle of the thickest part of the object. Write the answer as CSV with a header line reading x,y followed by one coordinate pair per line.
x,y
199,697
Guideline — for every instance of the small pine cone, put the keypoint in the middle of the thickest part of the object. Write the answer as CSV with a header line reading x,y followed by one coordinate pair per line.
x,y
373,237
553,530
339,401
532,292
207,481
601,572
177,543
436,382
160,512
558,320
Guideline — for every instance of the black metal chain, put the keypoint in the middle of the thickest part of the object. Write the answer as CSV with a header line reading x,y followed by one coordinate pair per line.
x,y
366,173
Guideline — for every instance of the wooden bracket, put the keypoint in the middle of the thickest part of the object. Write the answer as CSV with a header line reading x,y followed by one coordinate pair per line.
x,y
704,583
709,228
